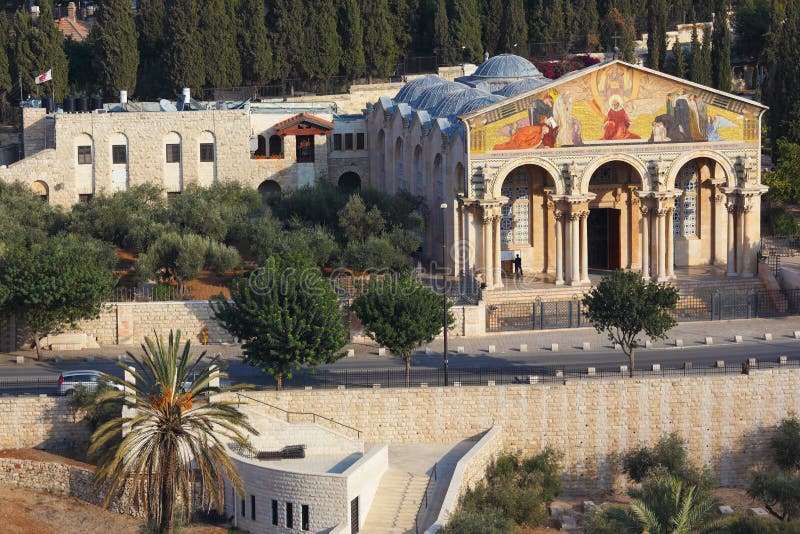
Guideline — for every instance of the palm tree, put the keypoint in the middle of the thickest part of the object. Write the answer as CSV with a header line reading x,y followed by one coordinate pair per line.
x,y
173,442
665,505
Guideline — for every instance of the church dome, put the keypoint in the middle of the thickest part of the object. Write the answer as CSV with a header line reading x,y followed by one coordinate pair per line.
x,y
522,86
432,96
507,66
453,104
411,91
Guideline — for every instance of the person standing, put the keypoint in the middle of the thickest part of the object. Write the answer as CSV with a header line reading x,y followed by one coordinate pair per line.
x,y
518,266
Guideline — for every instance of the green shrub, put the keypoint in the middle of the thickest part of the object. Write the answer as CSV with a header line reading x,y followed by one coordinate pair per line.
x,y
781,223
374,253
667,457
740,524
470,522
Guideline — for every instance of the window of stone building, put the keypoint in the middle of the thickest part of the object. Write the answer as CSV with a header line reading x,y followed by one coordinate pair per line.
x,y
206,152
337,141
274,512
348,141
119,154
85,197
684,218
289,515
242,507
304,517
275,146
515,221
360,141
173,194
85,155
305,149
253,507
174,153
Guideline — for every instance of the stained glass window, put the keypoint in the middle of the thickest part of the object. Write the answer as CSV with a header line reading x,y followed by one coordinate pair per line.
x,y
684,221
515,221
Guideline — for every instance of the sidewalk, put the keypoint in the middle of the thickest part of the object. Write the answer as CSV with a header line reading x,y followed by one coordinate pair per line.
x,y
568,340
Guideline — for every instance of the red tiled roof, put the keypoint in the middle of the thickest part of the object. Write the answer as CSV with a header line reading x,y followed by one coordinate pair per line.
x,y
76,29
292,125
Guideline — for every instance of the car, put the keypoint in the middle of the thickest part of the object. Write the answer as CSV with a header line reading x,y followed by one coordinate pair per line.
x,y
89,379
186,384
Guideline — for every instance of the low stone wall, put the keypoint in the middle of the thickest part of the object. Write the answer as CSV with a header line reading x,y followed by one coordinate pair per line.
x,y
726,419
40,422
470,470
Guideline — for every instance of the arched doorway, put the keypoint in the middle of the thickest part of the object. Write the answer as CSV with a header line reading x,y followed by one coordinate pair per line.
x,y
699,220
40,188
612,229
267,189
527,226
350,182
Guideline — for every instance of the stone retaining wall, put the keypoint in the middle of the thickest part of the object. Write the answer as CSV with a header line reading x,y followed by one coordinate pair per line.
x,y
40,422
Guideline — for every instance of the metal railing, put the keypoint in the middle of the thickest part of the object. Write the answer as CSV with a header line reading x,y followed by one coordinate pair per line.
x,y
150,293
289,414
28,382
426,498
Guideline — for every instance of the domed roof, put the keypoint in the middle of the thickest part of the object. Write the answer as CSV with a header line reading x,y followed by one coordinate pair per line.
x,y
432,96
413,89
480,102
453,104
522,86
506,66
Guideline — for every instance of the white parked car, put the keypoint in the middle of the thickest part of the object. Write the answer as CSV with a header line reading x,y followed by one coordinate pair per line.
x,y
89,379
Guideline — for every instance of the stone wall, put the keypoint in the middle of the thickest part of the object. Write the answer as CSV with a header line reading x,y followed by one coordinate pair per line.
x,y
40,421
725,419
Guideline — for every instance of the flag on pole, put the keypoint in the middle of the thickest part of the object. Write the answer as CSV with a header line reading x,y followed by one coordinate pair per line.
x,y
46,77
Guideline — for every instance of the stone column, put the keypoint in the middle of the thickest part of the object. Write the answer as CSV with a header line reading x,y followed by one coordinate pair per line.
x,y
575,244
584,238
559,248
645,242
487,250
661,274
731,207
568,276
747,260
740,238
498,273
670,244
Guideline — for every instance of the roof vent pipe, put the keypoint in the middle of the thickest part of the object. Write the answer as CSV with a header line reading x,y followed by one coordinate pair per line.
x,y
187,94
123,97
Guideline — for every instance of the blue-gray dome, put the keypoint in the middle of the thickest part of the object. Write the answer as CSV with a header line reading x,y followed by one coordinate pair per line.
x,y
452,104
480,102
431,97
411,91
522,86
506,66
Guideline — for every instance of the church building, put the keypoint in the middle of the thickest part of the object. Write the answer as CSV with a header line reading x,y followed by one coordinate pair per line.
x,y
614,166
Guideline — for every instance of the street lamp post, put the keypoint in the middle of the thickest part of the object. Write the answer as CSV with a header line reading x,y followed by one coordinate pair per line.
x,y
444,288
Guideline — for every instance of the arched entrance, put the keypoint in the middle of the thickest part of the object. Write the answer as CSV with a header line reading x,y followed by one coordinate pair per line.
x,y
40,188
699,221
349,182
612,228
267,189
527,226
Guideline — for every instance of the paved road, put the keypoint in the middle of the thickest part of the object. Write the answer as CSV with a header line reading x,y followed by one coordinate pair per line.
x,y
367,368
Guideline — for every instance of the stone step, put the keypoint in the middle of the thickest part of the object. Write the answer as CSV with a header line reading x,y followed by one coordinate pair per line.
x,y
396,503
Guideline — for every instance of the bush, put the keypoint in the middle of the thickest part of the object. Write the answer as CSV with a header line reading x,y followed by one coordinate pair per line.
x,y
785,444
755,525
484,522
97,413
221,258
667,457
181,257
781,223
374,253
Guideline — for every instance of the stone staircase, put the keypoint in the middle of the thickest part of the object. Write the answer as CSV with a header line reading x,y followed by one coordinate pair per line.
x,y
397,500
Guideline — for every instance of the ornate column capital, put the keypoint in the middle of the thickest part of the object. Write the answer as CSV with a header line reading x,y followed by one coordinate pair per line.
x,y
573,215
558,214
719,198
661,212
584,214
644,210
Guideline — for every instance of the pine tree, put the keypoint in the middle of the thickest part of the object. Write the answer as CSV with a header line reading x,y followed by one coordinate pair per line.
x,y
678,60
466,27
442,41
5,65
656,34
115,47
705,54
514,38
183,57
252,42
382,54
323,49
217,29
352,32
22,67
493,10
585,26
696,60
47,45
721,49
783,78
150,21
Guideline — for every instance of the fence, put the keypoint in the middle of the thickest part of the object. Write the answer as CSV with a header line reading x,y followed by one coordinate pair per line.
x,y
699,306
422,511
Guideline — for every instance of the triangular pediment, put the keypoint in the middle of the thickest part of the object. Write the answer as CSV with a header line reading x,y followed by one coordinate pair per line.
x,y
614,103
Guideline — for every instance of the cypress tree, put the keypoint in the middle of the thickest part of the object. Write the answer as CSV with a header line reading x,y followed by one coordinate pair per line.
x,y
442,41
493,12
382,53
656,34
183,57
286,18
150,21
47,45
322,47
783,77
696,60
466,28
252,42
585,26
705,54
721,49
514,38
404,15
22,67
218,43
5,66
617,23
678,60
352,32
115,47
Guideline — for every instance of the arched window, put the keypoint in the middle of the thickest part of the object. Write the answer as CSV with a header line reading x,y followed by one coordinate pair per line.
x,y
438,179
399,174
207,171
684,218
419,178
84,170
350,182
514,224
261,150
119,162
460,186
173,175
275,146
382,160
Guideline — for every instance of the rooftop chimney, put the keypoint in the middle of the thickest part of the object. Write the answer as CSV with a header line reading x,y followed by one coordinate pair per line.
x,y
123,97
71,11
34,12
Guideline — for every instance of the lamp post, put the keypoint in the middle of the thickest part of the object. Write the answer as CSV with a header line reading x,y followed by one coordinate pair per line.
x,y
444,288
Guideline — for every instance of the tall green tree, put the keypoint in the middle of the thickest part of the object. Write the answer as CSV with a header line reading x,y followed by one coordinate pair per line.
x,y
751,22
624,307
783,78
286,316
286,19
382,53
586,26
151,20
255,50
617,23
514,38
656,34
778,489
466,29
491,31
678,60
116,52
721,49
183,56
175,448
696,60
705,56
400,314
47,49
351,30
218,30
5,64
322,45
405,16
443,45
